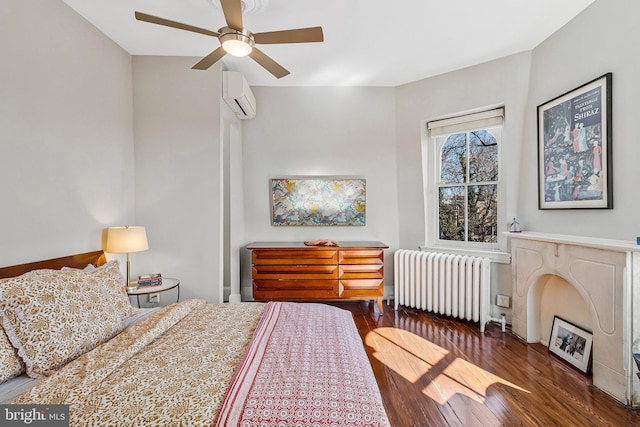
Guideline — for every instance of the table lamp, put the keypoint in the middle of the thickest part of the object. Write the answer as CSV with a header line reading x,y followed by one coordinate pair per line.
x,y
124,240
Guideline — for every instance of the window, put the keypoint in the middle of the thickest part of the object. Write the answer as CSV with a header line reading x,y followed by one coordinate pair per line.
x,y
464,189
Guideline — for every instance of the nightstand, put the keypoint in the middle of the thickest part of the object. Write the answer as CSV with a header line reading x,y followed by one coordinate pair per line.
x,y
168,283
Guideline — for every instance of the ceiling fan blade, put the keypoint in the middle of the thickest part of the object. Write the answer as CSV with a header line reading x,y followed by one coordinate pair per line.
x,y
269,64
210,59
168,23
232,13
300,35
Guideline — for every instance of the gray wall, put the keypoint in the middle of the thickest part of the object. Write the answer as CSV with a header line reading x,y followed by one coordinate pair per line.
x,y
177,170
341,131
500,82
67,137
603,38
599,40
66,133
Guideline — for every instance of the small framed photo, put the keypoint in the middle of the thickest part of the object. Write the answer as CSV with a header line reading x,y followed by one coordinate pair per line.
x,y
574,148
571,343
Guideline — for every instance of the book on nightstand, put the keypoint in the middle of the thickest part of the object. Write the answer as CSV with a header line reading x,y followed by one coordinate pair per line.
x,y
148,280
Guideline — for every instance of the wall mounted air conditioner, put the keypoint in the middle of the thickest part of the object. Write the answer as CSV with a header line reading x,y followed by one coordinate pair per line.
x,y
237,94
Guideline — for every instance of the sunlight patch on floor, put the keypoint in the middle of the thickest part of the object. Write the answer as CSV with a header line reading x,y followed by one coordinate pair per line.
x,y
419,354
417,359
464,378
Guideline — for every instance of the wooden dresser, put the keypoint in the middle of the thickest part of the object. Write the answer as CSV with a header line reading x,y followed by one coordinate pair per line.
x,y
292,271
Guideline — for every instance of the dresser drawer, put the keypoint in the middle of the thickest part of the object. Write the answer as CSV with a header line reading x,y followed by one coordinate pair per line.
x,y
369,286
361,271
294,257
361,288
287,272
266,290
361,256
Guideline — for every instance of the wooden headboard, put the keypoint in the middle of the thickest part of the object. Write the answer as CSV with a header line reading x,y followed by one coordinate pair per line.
x,y
96,258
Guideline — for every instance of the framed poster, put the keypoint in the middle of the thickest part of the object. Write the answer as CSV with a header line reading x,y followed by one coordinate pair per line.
x,y
574,148
571,343
318,201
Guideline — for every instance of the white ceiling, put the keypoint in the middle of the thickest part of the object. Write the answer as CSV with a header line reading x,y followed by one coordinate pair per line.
x,y
366,42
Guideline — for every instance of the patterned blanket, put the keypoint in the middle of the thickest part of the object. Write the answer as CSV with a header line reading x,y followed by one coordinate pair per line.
x,y
304,365
171,368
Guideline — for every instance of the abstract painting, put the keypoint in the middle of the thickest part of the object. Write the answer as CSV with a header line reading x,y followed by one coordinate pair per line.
x,y
318,201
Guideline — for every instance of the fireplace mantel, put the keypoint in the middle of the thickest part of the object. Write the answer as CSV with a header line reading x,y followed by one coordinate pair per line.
x,y
607,274
589,242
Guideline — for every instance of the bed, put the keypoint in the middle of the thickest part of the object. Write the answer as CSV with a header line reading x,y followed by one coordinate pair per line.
x,y
70,336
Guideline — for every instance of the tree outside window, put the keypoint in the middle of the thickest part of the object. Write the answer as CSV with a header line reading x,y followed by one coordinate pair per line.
x,y
468,187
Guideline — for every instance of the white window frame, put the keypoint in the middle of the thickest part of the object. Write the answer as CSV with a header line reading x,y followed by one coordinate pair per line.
x,y
435,133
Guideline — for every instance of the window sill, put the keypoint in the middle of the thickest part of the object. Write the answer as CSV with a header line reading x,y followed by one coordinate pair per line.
x,y
494,256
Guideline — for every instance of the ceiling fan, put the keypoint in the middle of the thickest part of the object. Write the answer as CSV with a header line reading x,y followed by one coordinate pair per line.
x,y
238,41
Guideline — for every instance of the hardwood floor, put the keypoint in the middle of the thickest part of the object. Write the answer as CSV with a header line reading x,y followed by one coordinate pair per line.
x,y
436,371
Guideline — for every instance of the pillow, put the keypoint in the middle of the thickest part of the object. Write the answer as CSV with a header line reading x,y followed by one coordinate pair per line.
x,y
53,316
88,267
111,279
10,363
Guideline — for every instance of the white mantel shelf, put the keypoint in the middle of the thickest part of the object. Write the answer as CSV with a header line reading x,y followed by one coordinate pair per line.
x,y
592,242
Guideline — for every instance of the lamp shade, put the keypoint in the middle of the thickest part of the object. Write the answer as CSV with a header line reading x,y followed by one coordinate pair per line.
x,y
126,239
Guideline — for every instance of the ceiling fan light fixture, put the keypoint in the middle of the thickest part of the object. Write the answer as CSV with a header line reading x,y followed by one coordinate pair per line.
x,y
237,48
236,43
